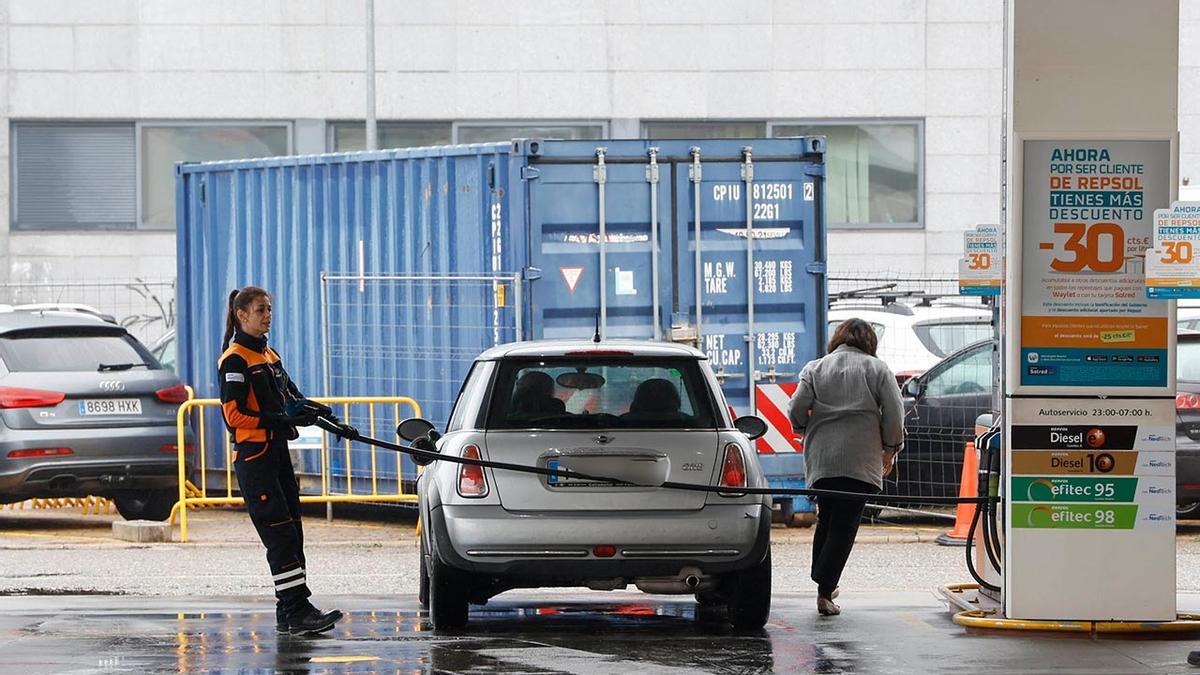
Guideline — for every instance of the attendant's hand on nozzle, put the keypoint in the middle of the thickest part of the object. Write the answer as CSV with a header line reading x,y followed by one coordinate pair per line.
x,y
304,412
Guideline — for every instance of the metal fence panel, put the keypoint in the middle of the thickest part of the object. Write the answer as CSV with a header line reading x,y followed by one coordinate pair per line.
x,y
146,307
411,335
945,340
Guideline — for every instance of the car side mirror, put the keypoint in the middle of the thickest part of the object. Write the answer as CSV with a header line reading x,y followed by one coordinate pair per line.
x,y
413,428
751,425
914,387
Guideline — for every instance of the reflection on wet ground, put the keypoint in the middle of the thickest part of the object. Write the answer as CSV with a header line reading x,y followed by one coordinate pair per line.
x,y
505,636
562,632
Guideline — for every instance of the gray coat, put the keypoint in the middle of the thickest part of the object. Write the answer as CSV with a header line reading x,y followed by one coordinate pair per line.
x,y
848,408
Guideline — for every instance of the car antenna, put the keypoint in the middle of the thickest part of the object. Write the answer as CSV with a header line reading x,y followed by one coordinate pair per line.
x,y
596,337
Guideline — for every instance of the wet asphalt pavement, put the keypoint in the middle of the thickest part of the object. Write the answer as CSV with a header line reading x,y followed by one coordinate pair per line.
x,y
74,600
541,632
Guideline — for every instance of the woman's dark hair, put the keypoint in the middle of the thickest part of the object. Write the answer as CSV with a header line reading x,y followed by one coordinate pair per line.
x,y
856,333
239,299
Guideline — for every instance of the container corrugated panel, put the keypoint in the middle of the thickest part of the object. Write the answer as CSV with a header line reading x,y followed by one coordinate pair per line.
x,y
530,208
280,223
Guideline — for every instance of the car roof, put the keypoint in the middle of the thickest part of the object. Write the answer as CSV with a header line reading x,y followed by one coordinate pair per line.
x,y
12,320
535,348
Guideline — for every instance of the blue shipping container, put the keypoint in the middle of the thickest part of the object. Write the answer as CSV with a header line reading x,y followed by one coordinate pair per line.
x,y
391,270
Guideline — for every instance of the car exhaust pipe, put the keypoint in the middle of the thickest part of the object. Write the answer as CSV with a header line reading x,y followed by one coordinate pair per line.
x,y
62,482
692,581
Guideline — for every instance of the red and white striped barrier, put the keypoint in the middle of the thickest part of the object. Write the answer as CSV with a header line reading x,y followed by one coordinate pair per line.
x,y
772,402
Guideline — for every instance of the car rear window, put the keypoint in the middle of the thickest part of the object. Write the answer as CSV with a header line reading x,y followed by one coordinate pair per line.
x,y
1187,361
600,393
945,338
73,350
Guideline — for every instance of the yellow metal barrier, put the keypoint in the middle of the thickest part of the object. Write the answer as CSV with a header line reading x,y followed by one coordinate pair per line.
x,y
191,496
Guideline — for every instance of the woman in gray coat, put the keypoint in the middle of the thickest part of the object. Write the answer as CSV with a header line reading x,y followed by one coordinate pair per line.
x,y
848,408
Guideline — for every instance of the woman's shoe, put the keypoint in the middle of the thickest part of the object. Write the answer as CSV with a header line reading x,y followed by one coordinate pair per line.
x,y
825,607
834,594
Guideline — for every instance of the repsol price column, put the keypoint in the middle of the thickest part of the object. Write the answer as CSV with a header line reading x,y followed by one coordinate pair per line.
x,y
1092,510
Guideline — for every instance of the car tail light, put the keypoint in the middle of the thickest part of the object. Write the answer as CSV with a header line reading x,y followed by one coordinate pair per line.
x,y
173,448
176,394
16,397
605,551
1187,401
733,468
40,452
471,481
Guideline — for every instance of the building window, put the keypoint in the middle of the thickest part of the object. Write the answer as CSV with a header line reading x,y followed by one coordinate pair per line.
x,y
73,176
872,171
492,132
164,145
352,136
665,131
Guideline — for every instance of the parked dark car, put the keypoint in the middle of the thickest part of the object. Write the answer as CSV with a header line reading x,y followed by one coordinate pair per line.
x,y
1187,425
942,405
85,409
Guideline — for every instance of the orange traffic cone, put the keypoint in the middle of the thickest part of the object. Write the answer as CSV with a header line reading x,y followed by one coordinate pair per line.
x,y
968,486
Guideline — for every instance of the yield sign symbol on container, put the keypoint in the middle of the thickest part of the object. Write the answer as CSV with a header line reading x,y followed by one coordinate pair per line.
x,y
571,275
772,402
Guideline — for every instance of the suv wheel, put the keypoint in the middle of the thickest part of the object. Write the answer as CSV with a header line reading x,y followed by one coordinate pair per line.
x,y
749,593
448,600
146,504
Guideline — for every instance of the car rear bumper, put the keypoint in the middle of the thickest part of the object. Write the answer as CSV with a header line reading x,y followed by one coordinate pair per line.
x,y
557,549
103,461
1187,471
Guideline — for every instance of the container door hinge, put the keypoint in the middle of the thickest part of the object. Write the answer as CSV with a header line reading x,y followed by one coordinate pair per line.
x,y
530,173
531,273
815,268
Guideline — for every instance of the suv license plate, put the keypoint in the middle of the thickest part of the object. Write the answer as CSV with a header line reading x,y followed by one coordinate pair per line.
x,y
110,406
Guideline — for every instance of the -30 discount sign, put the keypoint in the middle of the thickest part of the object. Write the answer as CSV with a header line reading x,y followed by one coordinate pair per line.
x,y
1095,247
1172,270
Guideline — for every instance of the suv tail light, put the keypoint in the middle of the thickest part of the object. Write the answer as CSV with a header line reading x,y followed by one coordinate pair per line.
x,y
40,452
733,468
1187,401
16,397
471,481
177,394
174,448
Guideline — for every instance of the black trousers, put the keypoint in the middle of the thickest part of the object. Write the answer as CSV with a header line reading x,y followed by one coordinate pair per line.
x,y
272,494
837,526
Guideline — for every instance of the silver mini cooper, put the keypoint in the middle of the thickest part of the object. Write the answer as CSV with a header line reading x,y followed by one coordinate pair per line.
x,y
641,412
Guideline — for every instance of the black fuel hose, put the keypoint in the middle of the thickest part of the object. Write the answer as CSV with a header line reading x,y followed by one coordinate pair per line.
x,y
970,559
351,434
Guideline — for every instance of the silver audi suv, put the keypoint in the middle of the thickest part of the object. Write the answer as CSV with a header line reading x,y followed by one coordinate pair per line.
x,y
642,412
85,410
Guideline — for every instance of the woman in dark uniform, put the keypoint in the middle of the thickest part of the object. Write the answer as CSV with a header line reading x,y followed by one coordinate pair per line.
x,y
261,406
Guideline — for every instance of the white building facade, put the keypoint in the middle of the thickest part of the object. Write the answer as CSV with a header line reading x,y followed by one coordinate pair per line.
x,y
99,99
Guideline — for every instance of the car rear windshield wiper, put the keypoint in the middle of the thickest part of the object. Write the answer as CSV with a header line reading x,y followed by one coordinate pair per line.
x,y
119,366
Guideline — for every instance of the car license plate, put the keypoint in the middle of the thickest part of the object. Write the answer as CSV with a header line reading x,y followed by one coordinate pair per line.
x,y
564,482
110,406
